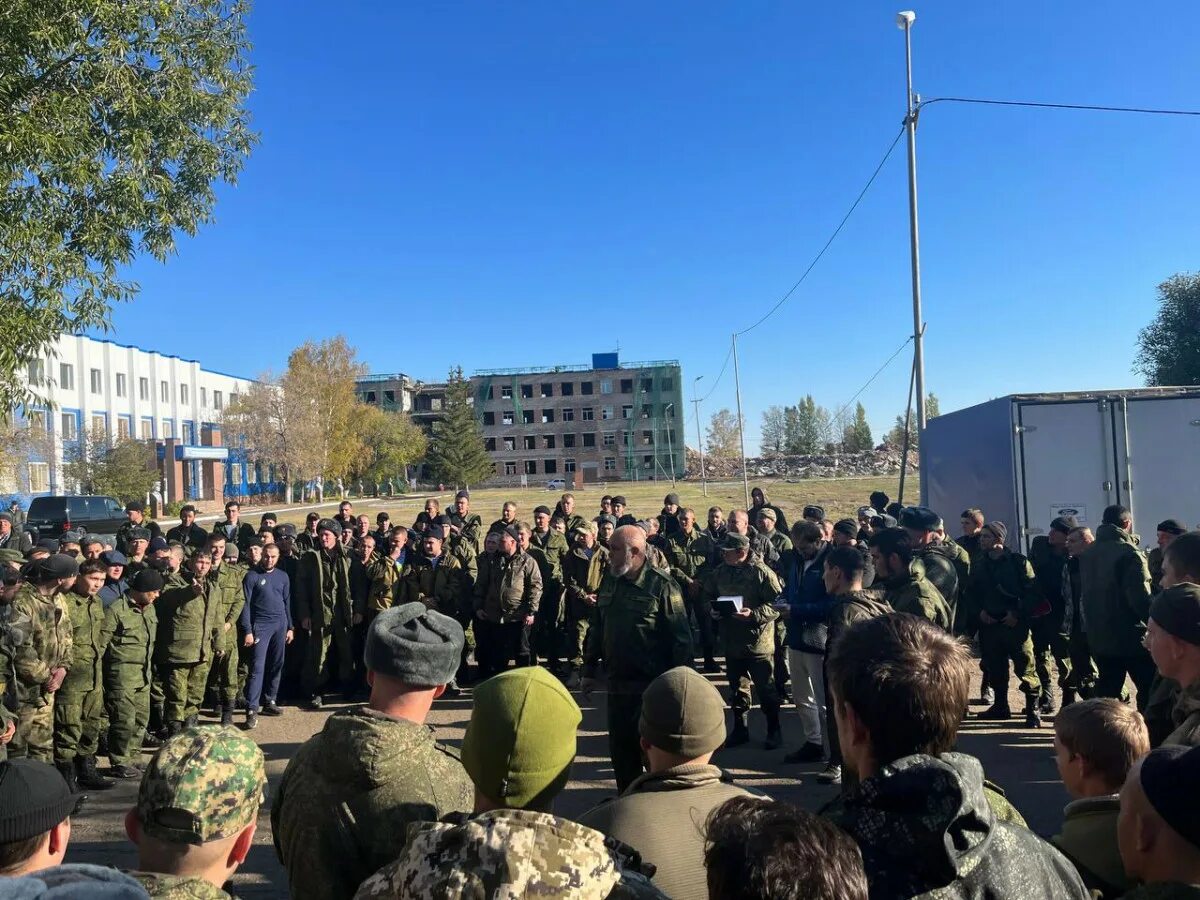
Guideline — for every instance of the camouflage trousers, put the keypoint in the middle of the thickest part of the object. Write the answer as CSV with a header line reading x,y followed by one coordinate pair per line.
x,y
1051,647
225,669
574,637
756,670
35,732
78,716
328,647
183,688
997,645
128,713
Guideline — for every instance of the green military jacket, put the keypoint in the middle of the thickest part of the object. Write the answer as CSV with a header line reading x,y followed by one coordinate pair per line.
x,y
511,590
1115,592
780,541
243,533
178,887
189,623
470,529
1186,718
467,555
758,586
1089,840
1003,585
639,630
688,555
583,576
47,644
445,587
87,643
129,635
915,594
323,588
121,540
554,548
229,579
14,635
387,575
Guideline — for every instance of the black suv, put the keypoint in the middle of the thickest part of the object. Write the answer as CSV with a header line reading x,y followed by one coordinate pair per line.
x,y
51,516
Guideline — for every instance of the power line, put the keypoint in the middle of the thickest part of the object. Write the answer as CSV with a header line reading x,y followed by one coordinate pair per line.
x,y
1081,106
832,237
871,380
724,366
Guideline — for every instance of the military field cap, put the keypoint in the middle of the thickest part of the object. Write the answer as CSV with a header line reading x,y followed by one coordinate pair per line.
x,y
139,534
513,531
436,531
1170,778
33,799
520,742
682,713
158,543
611,520
1177,611
584,528
415,644
813,512
8,556
202,785
619,500
545,510
919,518
671,499
56,565
285,530
1064,524
998,530
736,542
463,495
231,551
1172,526
767,513
147,580
48,544
135,506
114,558
848,527
330,525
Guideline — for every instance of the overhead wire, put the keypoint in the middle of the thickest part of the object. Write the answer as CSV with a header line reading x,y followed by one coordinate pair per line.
x,y
1033,104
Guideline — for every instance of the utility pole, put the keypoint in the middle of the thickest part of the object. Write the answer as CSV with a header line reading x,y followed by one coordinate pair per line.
x,y
699,437
905,20
737,381
670,445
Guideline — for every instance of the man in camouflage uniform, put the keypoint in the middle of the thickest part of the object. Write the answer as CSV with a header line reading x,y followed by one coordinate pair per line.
x,y
350,792
135,512
508,516
583,572
689,553
549,549
129,635
189,636
943,561
441,581
506,605
41,661
138,541
196,813
1051,643
12,636
781,543
748,634
900,578
639,630
464,524
566,509
326,607
387,574
79,703
229,674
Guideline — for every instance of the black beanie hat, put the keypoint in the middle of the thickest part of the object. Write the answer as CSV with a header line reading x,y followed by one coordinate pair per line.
x,y
33,799
1170,778
147,580
1065,524
848,527
1172,526
1177,611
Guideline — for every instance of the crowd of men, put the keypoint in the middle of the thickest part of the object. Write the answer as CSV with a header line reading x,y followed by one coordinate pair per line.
x,y
863,624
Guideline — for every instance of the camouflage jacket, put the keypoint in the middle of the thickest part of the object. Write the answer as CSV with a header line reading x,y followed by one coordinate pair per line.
x,y
321,591
688,555
15,628
512,853
926,829
121,540
511,589
913,593
189,624
129,637
233,598
178,887
445,587
1002,585
1186,716
347,797
87,643
387,575
555,548
583,576
47,645
470,529
752,636
1164,890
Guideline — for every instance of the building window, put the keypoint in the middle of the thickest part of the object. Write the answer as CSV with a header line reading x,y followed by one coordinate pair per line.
x,y
529,442
37,420
183,393
506,417
610,439
547,390
39,477
547,417
626,385
233,396
669,411
550,466
568,440
489,418
527,392
70,427
627,411
647,385
610,463
606,385
164,391
368,396
506,392
168,429
566,389
648,462
203,396
66,376
489,444
606,412
218,400
568,415
123,428
510,443
510,468
568,465
37,371
121,385
648,438
100,425
147,429
589,439
143,388
389,396
527,416
585,388
589,414
531,467
647,410
549,442
97,381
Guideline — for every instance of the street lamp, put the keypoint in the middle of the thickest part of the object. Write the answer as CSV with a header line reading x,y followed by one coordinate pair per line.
x,y
904,21
699,439
670,444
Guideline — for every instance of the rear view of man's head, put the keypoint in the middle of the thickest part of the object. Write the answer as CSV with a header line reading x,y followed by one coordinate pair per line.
x,y
900,687
35,810
682,720
412,653
1158,829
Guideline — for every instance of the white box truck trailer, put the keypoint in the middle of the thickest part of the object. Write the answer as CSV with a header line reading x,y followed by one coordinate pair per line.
x,y
1027,458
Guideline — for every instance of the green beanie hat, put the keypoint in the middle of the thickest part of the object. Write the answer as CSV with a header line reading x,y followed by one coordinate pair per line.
x,y
520,742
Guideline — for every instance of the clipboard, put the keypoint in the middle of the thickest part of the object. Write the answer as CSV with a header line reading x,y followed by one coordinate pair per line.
x,y
730,605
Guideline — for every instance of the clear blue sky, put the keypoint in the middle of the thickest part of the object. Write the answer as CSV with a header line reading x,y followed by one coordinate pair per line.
x,y
514,184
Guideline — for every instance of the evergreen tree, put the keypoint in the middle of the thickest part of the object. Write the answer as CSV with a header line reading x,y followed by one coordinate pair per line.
x,y
856,437
457,454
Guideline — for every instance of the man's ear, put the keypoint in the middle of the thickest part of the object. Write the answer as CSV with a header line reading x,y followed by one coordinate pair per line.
x,y
370,678
133,828
854,725
1145,833
241,846
438,691
60,836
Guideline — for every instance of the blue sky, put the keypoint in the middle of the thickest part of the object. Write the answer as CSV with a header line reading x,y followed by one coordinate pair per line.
x,y
517,184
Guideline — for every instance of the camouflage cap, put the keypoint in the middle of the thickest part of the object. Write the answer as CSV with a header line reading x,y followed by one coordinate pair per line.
x,y
9,556
203,785
736,542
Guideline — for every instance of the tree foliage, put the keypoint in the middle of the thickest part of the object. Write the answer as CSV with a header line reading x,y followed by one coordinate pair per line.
x,y
1169,347
117,117
856,436
272,426
774,430
391,442
723,439
123,468
21,443
809,431
895,438
457,455
320,379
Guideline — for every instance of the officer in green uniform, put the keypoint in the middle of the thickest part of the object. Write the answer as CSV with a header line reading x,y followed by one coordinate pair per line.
x,y
79,703
1051,643
639,630
130,630
1003,590
464,524
748,633
439,579
549,548
689,553
135,512
583,573
326,608
189,632
227,578
781,543
900,578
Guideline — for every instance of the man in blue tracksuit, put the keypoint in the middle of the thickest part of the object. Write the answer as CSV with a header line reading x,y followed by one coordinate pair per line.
x,y
267,623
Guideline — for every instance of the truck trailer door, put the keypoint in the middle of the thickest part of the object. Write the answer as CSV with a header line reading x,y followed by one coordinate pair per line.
x,y
1159,442
1065,462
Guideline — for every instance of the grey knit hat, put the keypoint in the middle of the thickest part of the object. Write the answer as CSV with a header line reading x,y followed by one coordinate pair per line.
x,y
682,713
415,644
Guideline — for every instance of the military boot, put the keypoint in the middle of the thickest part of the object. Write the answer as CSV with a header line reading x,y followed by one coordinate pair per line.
x,y
574,679
1033,718
774,733
1068,696
67,771
710,666
156,724
173,728
1046,702
998,710
87,776
741,733
226,711
190,721
102,743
